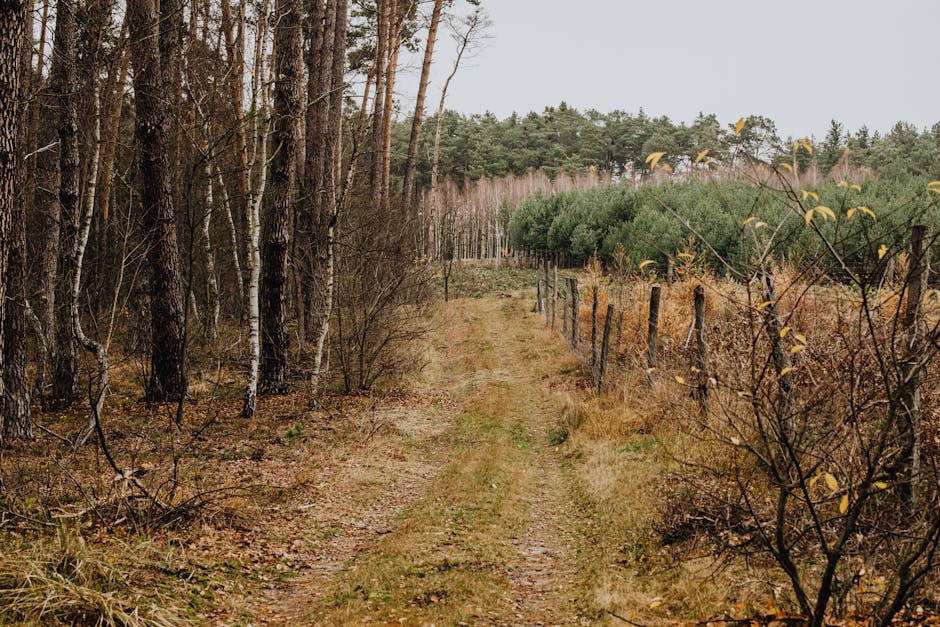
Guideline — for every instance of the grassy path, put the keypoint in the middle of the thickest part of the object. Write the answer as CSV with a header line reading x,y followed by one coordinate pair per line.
x,y
479,528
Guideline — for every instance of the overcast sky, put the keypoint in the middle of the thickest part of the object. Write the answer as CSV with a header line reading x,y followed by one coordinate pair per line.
x,y
799,62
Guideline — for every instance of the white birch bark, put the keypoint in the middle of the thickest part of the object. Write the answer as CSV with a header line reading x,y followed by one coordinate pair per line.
x,y
259,107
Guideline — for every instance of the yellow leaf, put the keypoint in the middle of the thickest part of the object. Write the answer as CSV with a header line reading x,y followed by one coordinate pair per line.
x,y
736,441
800,338
798,348
685,256
645,263
831,482
785,331
933,185
881,485
654,158
809,194
808,216
739,126
814,480
828,213
702,155
867,211
785,371
748,221
851,212
787,166
656,603
856,187
882,251
843,184
764,305
844,504
680,380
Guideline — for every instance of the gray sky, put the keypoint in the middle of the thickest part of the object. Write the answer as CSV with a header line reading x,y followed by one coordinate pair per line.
x,y
799,62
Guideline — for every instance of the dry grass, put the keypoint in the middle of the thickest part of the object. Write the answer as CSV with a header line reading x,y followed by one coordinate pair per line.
x,y
629,449
63,581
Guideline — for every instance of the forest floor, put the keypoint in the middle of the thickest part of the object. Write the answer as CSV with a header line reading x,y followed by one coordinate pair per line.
x,y
453,501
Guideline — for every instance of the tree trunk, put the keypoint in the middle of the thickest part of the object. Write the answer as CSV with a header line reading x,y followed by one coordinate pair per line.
x,y
64,80
253,260
171,68
378,124
418,120
310,209
335,197
288,44
167,378
395,27
114,101
12,34
49,257
235,57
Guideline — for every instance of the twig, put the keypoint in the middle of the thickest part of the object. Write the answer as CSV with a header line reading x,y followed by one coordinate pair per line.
x,y
53,433
626,620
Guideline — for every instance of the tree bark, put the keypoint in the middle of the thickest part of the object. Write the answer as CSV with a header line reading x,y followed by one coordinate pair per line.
x,y
310,209
288,50
256,196
12,33
171,68
167,377
64,81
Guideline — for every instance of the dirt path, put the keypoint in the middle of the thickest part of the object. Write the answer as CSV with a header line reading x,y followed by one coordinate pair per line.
x,y
455,514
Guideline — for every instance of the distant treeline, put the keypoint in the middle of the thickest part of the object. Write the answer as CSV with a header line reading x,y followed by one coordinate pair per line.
x,y
563,139
709,220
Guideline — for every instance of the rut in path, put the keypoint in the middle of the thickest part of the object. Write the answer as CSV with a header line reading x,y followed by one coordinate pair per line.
x,y
543,581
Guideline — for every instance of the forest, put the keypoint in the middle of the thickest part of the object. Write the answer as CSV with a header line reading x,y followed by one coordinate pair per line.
x,y
281,344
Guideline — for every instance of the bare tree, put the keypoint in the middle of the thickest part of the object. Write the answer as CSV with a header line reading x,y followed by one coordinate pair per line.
x,y
466,33
408,191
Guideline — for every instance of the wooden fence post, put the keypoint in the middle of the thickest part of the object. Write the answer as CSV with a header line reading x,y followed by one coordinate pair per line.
x,y
554,294
701,348
564,314
548,290
605,347
575,309
538,286
910,393
594,329
652,333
